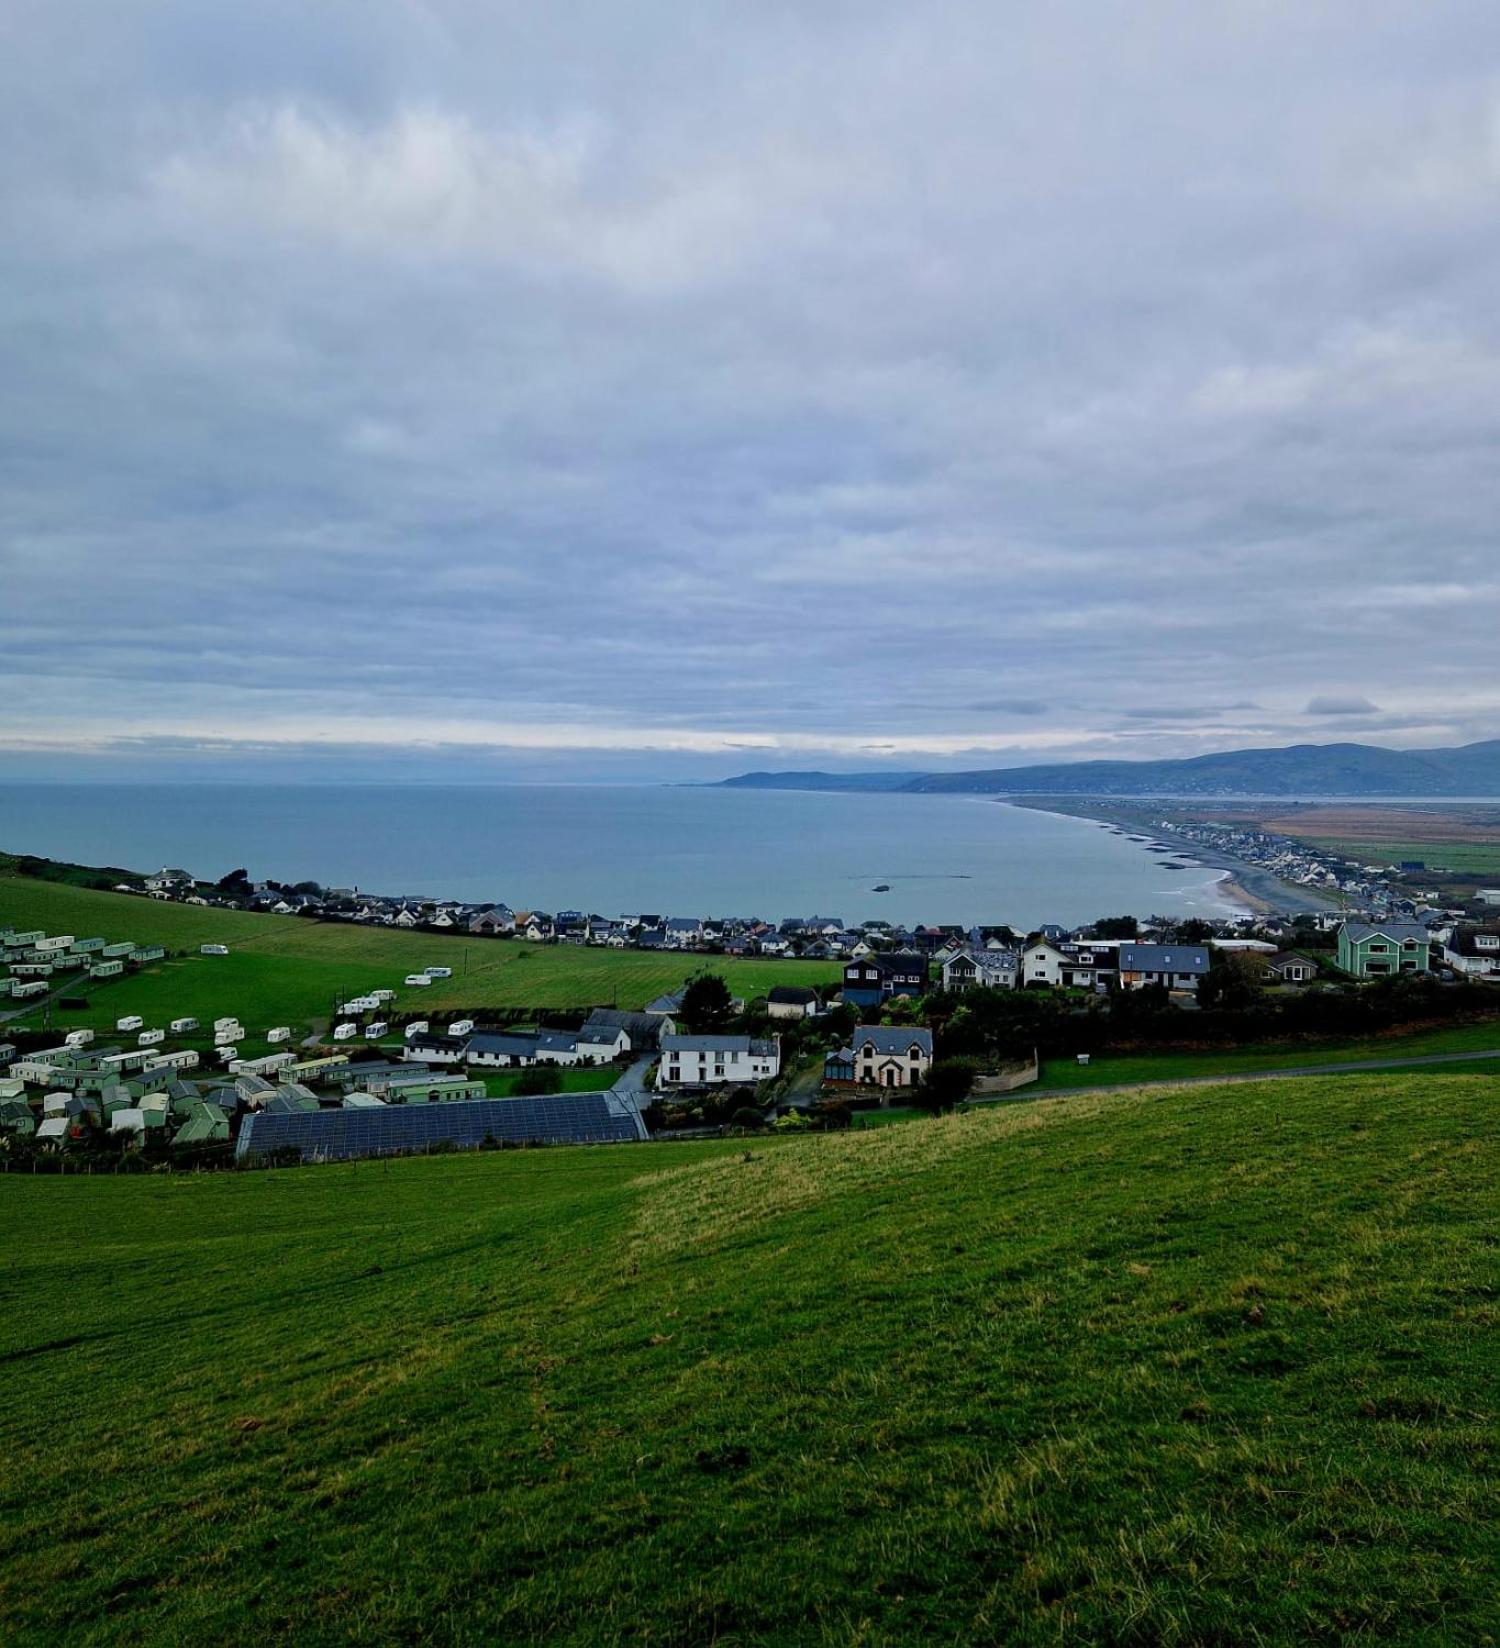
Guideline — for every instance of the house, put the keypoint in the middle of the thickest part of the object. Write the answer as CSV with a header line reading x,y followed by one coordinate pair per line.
x,y
1042,962
716,1061
600,1043
791,1001
1474,952
682,932
435,1049
642,1030
882,1056
988,970
875,979
503,1051
1176,966
499,918
167,883
1088,966
1287,967
1375,950
666,1007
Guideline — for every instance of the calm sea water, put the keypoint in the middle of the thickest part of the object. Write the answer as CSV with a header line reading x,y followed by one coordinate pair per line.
x,y
625,850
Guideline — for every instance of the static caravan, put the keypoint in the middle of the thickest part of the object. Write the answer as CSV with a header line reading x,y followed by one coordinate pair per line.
x,y
86,946
62,942
266,1066
117,952
382,995
151,1038
180,1027
213,949
107,969
145,953
185,1060
31,969
222,1038
36,987
20,941
310,1067
228,1055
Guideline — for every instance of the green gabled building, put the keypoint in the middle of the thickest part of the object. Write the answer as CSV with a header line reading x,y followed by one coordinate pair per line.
x,y
1378,949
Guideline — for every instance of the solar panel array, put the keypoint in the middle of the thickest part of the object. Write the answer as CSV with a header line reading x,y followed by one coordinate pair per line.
x,y
337,1135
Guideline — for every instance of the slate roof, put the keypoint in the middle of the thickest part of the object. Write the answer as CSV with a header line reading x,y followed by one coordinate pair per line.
x,y
791,995
888,1039
718,1044
1163,958
1398,931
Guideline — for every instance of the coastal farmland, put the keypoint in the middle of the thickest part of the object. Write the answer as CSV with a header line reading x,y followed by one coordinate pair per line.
x,y
1162,1367
285,969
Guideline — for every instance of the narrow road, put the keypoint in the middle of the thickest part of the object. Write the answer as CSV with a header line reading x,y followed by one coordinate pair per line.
x,y
631,1082
1287,1073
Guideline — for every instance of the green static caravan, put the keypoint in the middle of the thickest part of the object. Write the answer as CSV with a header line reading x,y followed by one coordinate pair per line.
x,y
1378,949
439,1091
107,969
87,946
20,941
147,952
117,952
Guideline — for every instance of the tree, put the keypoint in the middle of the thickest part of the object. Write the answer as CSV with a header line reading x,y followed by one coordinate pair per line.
x,y
706,1005
538,1079
1125,927
947,1083
235,885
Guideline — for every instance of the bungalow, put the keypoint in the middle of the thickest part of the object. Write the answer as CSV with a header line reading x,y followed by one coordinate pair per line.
x,y
791,1001
504,1052
716,1061
1287,967
1178,967
883,1056
1371,950
599,1043
436,1049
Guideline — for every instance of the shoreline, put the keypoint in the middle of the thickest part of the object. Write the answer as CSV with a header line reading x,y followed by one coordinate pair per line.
x,y
1254,890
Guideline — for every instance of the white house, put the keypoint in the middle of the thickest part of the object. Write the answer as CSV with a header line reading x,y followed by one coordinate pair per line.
x,y
599,1043
716,1061
890,1055
983,970
1475,952
1043,963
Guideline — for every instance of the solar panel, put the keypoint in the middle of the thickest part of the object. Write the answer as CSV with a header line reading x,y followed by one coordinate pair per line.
x,y
338,1135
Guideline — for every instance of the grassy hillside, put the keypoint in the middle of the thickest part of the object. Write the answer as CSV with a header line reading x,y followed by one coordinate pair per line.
x,y
1199,1367
314,961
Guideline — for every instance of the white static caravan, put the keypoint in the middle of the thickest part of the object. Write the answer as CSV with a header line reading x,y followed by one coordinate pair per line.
x,y
131,1021
417,1027
438,972
31,969
222,1038
63,942
282,1032
461,1027
373,1032
382,996
417,980
79,1038
151,1038
180,1027
186,1060
266,1066
361,1004
33,987
228,1055
213,949
345,1032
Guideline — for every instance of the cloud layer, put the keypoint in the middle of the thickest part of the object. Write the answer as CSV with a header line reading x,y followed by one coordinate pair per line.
x,y
835,382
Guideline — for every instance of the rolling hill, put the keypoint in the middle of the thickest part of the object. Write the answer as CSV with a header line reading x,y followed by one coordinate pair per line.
x,y
1299,770
1193,1367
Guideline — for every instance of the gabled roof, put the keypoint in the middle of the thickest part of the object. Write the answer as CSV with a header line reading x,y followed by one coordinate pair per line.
x,y
1398,932
889,1039
1163,958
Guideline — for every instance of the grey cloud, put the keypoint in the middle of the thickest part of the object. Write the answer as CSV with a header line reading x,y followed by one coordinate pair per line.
x,y
823,371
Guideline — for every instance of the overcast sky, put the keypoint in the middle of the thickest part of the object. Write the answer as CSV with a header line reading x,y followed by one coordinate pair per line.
x,y
473,388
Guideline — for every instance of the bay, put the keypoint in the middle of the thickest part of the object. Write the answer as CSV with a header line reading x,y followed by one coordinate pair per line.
x,y
626,849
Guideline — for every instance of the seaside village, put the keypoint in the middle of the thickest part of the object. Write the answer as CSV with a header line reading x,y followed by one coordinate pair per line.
x,y
385,1077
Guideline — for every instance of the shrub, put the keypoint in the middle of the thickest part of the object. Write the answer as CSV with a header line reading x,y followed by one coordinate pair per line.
x,y
539,1079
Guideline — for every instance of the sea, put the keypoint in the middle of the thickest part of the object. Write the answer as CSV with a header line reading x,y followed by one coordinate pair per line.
x,y
668,850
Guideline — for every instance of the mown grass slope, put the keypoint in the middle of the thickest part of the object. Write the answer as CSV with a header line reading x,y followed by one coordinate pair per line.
x,y
1194,1367
315,960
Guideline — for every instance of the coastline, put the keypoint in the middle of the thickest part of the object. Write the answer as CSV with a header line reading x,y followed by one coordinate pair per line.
x,y
1255,890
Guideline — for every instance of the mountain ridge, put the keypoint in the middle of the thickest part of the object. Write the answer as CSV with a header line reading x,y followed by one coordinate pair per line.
x,y
1345,769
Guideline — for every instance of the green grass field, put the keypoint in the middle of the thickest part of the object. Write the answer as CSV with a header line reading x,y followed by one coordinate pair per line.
x,y
1202,1367
1464,857
1106,1068
284,970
